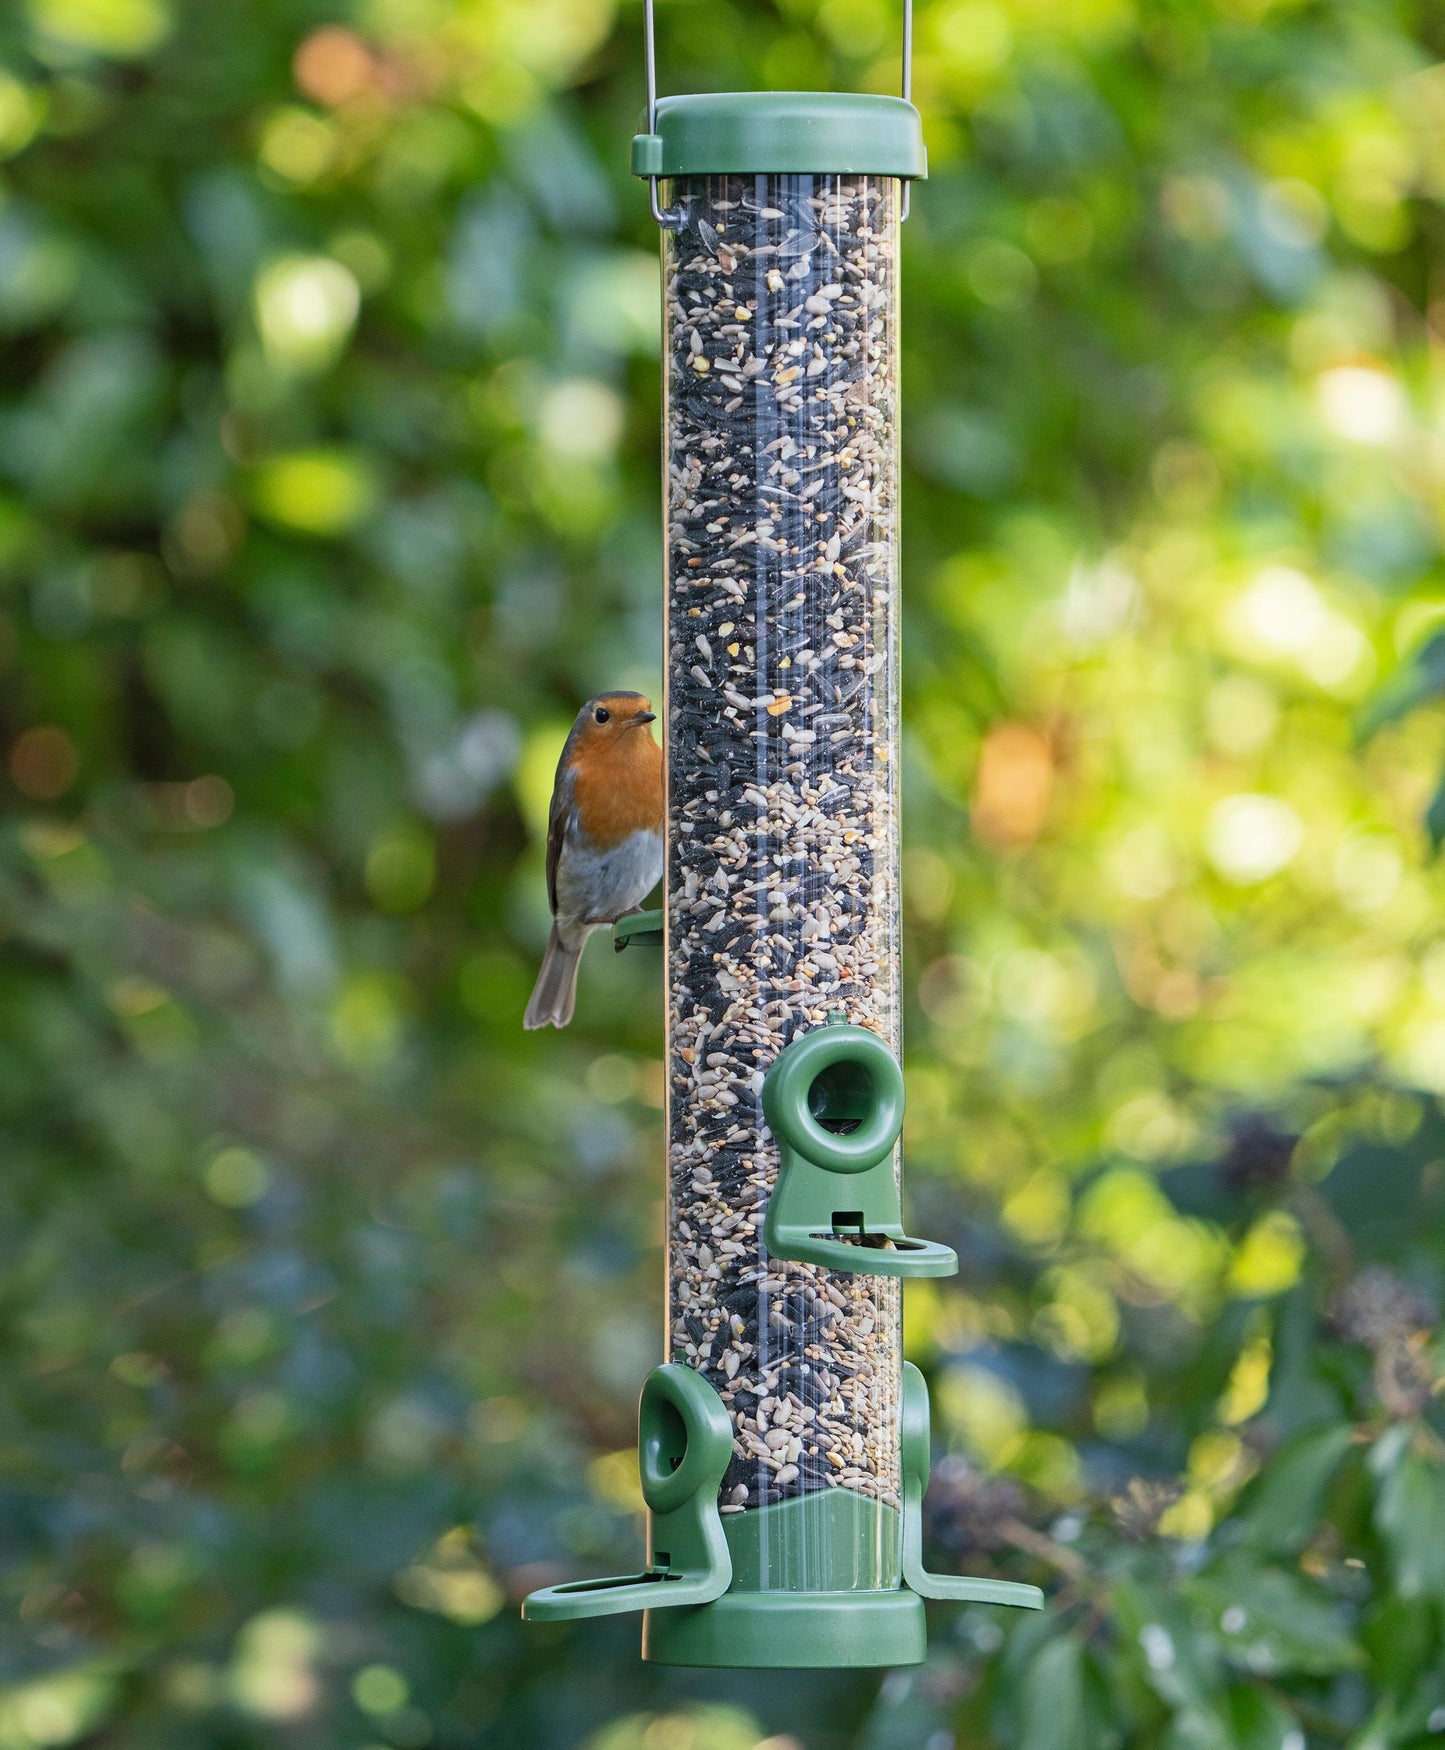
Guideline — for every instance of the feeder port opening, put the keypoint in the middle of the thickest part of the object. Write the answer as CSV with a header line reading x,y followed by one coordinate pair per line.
x,y
841,1097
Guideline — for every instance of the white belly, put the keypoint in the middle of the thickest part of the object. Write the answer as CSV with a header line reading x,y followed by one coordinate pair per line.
x,y
601,885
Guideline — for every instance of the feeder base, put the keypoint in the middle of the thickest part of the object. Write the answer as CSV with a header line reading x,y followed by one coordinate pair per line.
x,y
820,1556
790,1630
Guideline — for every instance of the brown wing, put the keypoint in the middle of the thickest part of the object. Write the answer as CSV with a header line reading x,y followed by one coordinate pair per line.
x,y
559,817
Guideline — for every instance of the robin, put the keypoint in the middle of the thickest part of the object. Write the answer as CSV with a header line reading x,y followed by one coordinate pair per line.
x,y
604,839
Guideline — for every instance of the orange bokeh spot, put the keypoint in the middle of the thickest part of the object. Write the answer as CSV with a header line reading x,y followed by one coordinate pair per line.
x,y
1014,783
44,763
333,66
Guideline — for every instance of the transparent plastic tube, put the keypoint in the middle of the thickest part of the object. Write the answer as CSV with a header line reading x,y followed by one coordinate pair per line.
x,y
780,301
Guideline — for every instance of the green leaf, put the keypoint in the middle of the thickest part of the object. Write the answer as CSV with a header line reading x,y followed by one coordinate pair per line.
x,y
1271,1622
1169,1642
1400,1642
1423,1704
1435,815
1282,1507
1198,1729
1421,679
1410,1516
1051,1703
1260,1722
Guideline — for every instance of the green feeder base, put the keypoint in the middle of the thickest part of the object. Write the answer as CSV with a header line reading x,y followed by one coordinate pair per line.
x,y
808,1590
790,1630
830,1579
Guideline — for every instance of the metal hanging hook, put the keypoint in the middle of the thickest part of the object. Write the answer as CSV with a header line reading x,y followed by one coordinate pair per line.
x,y
650,48
649,39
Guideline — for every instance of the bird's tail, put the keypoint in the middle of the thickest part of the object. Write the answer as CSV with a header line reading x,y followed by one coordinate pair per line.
x,y
555,992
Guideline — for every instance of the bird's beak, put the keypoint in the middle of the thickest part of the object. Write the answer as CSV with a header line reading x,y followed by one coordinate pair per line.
x,y
645,717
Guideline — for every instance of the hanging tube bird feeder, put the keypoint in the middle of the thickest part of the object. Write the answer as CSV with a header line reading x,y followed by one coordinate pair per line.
x,y
784,1445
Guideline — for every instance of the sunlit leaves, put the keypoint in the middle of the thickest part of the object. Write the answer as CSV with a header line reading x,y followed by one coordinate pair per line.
x,y
109,27
305,308
315,492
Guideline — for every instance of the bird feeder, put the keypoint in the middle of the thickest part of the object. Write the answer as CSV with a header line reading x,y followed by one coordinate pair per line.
x,y
784,1444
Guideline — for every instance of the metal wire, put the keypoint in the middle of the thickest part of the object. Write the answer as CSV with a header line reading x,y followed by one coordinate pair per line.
x,y
649,39
650,43
907,94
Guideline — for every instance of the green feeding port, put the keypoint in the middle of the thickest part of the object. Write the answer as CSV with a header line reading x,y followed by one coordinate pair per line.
x,y
684,1443
834,1103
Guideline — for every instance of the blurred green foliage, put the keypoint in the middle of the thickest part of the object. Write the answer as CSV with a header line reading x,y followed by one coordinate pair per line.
x,y
328,486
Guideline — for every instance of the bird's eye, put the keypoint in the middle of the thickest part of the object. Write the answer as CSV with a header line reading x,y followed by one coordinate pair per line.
x,y
602,714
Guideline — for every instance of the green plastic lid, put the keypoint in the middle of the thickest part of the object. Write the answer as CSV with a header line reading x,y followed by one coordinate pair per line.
x,y
784,133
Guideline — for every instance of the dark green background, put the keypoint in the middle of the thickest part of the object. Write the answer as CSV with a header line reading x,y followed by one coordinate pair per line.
x,y
329,487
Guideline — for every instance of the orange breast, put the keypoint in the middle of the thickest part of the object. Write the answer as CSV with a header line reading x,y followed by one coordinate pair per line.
x,y
619,788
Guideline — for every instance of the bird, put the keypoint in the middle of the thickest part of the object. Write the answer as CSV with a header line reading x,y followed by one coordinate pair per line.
x,y
604,839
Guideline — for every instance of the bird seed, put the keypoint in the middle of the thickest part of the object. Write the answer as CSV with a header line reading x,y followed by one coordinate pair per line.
x,y
782,560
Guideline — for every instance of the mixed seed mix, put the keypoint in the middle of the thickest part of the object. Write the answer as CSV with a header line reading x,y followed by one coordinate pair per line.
x,y
781,386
